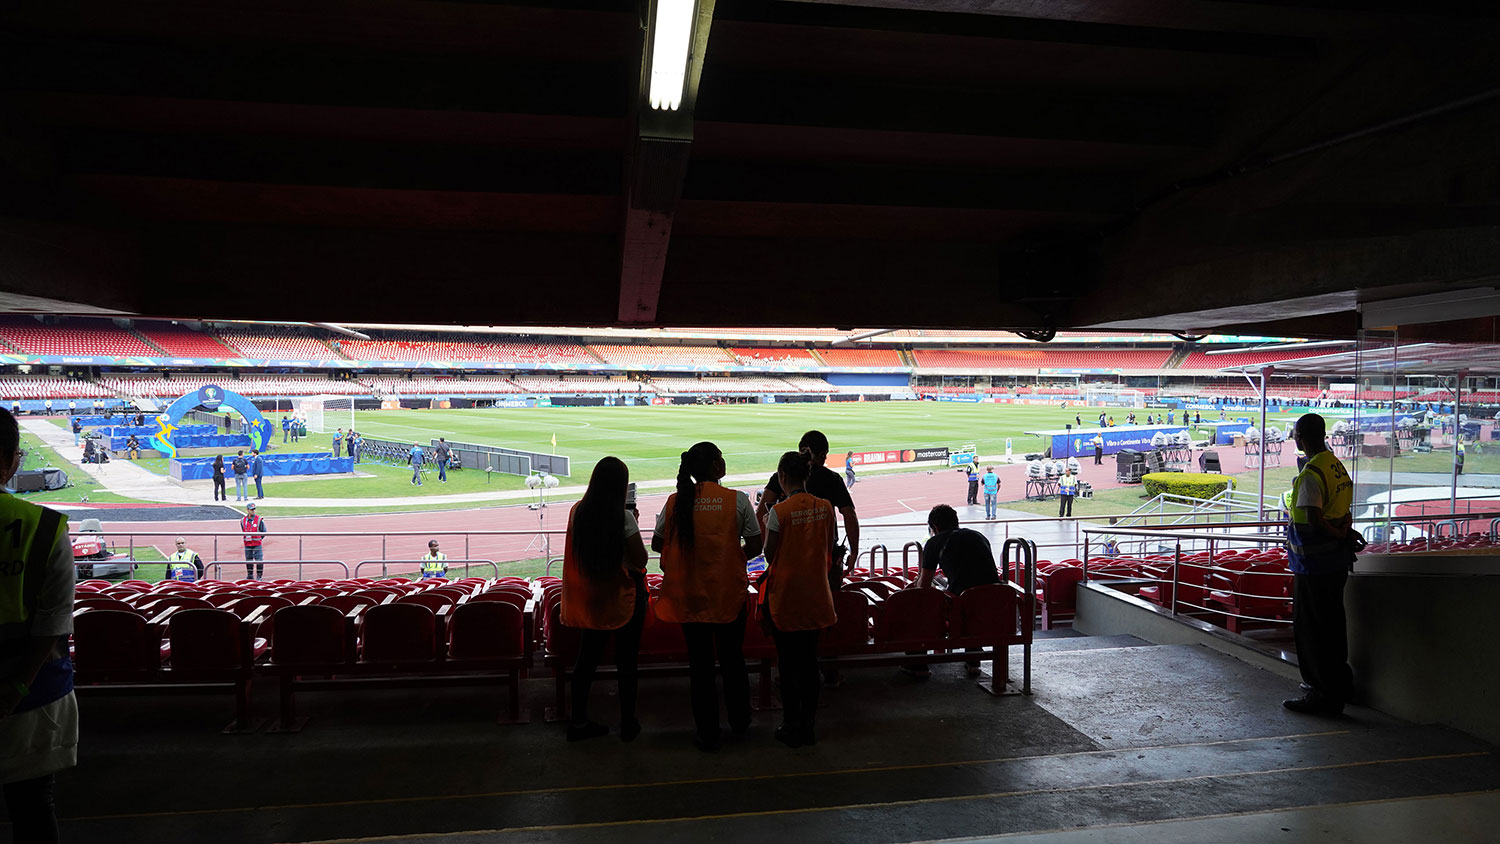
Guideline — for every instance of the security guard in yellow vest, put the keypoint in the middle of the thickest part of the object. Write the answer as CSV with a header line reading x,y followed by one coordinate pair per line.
x,y
38,712
184,564
1458,459
1320,555
1067,487
434,562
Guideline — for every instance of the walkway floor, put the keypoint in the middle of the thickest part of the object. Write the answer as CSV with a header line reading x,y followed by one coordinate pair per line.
x,y
1121,741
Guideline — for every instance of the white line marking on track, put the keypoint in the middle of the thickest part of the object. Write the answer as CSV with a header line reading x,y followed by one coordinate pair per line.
x,y
902,502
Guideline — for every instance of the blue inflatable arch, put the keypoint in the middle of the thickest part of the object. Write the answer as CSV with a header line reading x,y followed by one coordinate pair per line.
x,y
212,398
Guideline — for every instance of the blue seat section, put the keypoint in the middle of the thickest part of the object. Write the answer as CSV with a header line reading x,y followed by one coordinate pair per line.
x,y
308,463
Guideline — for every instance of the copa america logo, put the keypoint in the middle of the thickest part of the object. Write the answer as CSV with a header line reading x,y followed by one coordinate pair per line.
x,y
210,397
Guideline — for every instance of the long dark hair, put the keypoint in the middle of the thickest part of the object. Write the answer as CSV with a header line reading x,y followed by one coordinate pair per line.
x,y
698,462
599,520
218,461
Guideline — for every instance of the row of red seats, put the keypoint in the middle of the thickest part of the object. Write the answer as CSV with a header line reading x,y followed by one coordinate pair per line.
x,y
880,621
336,631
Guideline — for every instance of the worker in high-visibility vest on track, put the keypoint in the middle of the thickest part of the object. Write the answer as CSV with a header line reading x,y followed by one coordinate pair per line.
x,y
434,562
38,712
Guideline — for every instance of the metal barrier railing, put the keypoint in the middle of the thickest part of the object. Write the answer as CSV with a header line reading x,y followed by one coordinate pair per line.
x,y
906,556
213,567
1179,563
416,565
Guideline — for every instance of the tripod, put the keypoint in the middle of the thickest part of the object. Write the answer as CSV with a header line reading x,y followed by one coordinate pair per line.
x,y
543,540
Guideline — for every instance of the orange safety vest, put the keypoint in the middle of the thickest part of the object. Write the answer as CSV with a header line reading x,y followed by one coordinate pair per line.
x,y
796,584
591,604
707,582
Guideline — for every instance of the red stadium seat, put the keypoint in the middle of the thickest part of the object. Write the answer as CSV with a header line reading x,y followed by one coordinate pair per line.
x,y
215,646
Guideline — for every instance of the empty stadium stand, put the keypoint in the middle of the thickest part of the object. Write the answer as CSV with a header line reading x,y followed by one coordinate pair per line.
x,y
463,348
642,355
178,341
285,342
441,386
75,337
861,357
770,355
1034,358
1200,359
23,387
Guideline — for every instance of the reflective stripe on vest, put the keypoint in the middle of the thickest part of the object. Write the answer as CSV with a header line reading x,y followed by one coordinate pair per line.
x,y
1067,484
1338,497
28,534
796,587
252,527
180,565
432,566
591,603
705,582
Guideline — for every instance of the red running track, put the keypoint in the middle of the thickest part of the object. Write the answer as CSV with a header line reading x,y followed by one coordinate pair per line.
x,y
875,496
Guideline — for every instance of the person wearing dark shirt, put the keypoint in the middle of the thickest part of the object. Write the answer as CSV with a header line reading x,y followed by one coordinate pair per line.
x,y
826,484
973,478
219,493
965,559
822,483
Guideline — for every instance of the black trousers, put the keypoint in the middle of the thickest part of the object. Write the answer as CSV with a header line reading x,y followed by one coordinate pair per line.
x,y
973,492
219,493
1064,505
797,660
1318,626
627,652
704,641
33,817
1098,456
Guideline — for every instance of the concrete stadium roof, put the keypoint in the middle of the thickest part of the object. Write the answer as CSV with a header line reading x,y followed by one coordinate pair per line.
x,y
1410,360
1256,167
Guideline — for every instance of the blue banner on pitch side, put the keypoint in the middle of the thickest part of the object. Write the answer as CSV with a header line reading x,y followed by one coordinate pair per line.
x,y
1080,441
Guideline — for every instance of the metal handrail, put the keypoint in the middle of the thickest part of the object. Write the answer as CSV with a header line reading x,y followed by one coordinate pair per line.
x,y
885,558
384,564
215,565
905,556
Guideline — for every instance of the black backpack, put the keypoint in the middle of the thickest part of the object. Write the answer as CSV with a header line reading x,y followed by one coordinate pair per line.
x,y
240,465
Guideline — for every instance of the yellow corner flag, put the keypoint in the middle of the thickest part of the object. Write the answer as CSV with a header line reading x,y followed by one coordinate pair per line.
x,y
554,442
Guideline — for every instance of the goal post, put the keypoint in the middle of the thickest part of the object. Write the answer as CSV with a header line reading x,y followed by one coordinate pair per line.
x,y
1113,397
325,413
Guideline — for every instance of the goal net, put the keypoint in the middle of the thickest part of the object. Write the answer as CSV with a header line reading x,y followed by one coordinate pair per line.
x,y
1113,397
327,413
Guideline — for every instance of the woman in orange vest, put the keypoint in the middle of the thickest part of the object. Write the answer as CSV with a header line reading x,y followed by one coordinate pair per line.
x,y
796,597
604,593
704,587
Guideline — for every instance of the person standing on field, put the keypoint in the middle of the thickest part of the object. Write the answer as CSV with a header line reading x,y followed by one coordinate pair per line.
x,y
991,483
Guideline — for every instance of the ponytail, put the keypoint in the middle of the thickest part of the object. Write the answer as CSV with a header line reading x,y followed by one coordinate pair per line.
x,y
698,462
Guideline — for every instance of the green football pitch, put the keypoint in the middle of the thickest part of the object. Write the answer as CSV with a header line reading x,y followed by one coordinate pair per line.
x,y
752,437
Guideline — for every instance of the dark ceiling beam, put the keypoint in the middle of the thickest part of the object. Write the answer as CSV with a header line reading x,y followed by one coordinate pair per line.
x,y
329,161
574,30
801,221
941,55
932,18
149,199
734,94
1313,20
657,167
832,144
240,118
232,271
753,282
587,86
